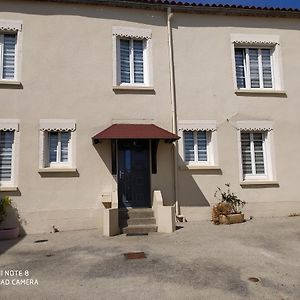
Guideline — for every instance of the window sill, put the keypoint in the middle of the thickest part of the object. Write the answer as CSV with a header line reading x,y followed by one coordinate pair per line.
x,y
198,167
57,170
12,83
132,88
260,92
8,189
259,183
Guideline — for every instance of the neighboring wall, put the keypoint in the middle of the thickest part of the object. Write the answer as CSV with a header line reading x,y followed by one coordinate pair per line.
x,y
67,73
205,91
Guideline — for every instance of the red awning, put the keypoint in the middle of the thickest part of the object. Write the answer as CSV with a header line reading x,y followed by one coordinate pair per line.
x,y
135,131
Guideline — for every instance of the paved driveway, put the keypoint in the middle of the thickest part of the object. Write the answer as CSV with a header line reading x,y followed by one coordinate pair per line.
x,y
199,261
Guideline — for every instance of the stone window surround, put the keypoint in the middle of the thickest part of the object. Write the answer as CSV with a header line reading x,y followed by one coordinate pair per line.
x,y
14,26
259,40
258,126
138,33
57,125
200,125
12,125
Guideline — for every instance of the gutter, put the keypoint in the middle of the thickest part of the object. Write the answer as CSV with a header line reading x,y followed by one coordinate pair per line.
x,y
174,108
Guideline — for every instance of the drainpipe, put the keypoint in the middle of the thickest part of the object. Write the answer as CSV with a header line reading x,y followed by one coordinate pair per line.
x,y
174,111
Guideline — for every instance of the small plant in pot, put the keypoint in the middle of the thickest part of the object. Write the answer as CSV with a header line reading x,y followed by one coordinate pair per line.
x,y
9,225
228,209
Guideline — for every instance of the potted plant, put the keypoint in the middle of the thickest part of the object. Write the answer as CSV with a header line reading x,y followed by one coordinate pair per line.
x,y
228,209
9,226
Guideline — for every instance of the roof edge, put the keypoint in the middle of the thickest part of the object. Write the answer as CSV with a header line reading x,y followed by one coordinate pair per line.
x,y
212,9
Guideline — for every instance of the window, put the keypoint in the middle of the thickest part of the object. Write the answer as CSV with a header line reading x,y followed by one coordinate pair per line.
x,y
10,51
254,68
6,156
9,150
59,147
132,59
256,151
196,144
57,144
253,154
8,56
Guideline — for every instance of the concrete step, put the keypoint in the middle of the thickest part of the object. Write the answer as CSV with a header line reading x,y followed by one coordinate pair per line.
x,y
136,213
139,229
141,221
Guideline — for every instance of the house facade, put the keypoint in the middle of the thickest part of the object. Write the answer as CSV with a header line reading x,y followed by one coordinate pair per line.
x,y
102,104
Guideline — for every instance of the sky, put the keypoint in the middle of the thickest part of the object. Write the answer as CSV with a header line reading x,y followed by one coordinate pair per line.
x,y
263,3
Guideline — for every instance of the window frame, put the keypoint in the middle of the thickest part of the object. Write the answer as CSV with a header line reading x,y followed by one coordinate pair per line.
x,y
210,127
131,62
132,33
265,127
260,67
2,45
12,27
261,41
209,155
58,162
12,125
59,126
11,181
253,175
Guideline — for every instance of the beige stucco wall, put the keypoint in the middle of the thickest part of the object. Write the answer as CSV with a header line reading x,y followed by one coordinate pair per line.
x,y
205,91
67,73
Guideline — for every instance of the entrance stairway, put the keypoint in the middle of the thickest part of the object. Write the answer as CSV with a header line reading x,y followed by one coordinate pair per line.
x,y
137,221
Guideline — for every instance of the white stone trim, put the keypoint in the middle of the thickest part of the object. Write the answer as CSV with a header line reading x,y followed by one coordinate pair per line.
x,y
254,125
267,128
212,150
132,32
203,125
13,26
260,41
9,124
12,125
10,25
57,125
255,39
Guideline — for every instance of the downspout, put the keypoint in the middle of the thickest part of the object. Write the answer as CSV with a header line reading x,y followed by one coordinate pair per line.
x,y
174,110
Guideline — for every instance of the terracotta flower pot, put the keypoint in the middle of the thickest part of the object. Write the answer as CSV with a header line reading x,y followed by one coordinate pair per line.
x,y
9,233
231,219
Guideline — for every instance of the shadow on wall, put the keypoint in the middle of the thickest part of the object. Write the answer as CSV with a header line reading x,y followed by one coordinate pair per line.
x,y
148,17
12,224
104,150
189,191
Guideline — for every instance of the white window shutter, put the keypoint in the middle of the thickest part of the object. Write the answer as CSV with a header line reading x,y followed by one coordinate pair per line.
x,y
240,67
189,154
267,68
138,57
65,146
125,61
254,68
